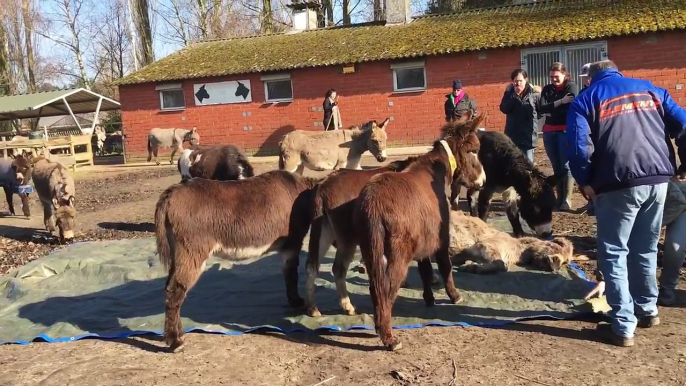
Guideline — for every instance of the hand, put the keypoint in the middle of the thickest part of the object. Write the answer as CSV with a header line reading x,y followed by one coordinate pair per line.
x,y
599,289
567,99
537,89
588,192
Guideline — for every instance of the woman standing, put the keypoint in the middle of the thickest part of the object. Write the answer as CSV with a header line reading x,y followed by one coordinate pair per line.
x,y
555,100
332,116
519,104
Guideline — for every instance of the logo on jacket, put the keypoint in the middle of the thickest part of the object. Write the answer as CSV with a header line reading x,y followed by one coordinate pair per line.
x,y
628,104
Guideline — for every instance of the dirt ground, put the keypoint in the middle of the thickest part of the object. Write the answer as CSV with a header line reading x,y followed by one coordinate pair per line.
x,y
120,204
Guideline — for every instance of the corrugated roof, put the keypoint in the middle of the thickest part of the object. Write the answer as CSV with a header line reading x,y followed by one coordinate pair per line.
x,y
49,103
548,22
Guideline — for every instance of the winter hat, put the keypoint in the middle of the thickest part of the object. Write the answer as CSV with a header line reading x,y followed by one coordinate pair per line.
x,y
457,85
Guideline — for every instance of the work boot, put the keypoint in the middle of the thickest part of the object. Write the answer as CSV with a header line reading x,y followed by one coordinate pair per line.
x,y
648,321
605,333
567,191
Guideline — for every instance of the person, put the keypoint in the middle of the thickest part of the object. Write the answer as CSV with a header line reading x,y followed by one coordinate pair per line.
x,y
585,82
627,180
519,104
332,115
458,103
554,102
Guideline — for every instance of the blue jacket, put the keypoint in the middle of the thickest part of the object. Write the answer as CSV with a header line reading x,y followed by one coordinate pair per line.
x,y
617,133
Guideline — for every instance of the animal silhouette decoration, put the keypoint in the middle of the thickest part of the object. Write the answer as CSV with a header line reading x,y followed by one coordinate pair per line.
x,y
202,94
242,91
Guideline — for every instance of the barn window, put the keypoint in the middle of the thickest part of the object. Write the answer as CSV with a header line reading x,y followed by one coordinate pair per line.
x,y
171,96
408,77
277,88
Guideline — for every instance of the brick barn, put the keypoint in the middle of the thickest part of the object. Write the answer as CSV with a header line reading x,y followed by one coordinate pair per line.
x,y
251,91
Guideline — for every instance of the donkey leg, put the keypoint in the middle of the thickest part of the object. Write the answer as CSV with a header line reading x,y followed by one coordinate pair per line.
x,y
321,238
344,256
155,150
455,188
183,275
174,150
512,211
386,294
472,197
290,258
48,217
8,197
485,197
426,272
445,267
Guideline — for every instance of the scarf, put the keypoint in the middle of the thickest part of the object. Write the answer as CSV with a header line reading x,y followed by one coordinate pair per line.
x,y
457,99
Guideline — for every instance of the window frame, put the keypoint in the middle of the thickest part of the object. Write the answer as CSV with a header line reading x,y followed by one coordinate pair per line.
x,y
266,79
162,88
408,66
562,50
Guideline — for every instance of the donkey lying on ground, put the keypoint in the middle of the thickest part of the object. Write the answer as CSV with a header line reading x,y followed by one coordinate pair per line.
x,y
214,162
170,138
404,216
56,191
235,219
491,250
522,186
332,150
13,175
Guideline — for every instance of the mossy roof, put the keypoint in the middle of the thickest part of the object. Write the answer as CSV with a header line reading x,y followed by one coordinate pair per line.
x,y
522,25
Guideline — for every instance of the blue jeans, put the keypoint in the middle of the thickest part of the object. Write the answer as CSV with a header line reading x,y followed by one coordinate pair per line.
x,y
555,144
674,252
629,222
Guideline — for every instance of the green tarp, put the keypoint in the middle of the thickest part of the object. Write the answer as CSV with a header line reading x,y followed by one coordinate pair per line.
x,y
116,289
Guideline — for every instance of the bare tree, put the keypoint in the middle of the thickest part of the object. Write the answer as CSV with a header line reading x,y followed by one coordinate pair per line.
x,y
28,15
266,20
112,57
141,17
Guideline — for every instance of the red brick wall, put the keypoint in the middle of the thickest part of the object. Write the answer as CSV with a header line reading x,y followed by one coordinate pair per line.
x,y
366,95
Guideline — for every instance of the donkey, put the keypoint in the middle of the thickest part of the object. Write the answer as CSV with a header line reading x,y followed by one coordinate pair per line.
x,y
170,138
237,220
404,216
491,250
14,178
332,150
214,162
56,191
100,137
525,190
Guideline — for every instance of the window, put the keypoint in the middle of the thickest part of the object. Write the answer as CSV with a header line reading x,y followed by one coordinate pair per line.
x,y
277,88
536,61
171,96
408,77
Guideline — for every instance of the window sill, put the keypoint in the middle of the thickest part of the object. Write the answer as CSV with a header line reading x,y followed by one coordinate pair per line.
x,y
279,101
172,110
409,91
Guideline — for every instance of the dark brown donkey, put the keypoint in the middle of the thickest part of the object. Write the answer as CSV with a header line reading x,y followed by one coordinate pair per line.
x,y
236,220
331,225
405,216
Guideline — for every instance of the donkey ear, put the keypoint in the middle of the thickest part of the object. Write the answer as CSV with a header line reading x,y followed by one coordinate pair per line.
x,y
556,261
71,201
194,130
55,203
384,124
477,122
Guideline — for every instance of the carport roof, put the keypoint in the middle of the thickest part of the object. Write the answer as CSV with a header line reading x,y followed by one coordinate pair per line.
x,y
52,103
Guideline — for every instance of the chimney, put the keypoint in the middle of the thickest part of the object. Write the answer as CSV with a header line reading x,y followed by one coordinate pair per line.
x,y
398,12
304,14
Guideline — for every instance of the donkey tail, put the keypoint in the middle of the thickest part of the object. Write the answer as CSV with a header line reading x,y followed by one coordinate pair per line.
x,y
163,230
149,149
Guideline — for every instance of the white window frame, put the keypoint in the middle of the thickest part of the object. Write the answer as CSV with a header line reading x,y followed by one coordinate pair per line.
x,y
407,66
561,48
276,78
161,88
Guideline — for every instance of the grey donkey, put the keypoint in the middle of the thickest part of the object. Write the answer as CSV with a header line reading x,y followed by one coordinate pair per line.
x,y
170,138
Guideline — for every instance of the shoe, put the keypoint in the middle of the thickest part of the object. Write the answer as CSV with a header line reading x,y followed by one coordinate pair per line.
x,y
648,321
605,332
666,298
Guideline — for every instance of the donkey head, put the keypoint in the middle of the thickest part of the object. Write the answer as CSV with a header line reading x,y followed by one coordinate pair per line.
x,y
192,136
537,204
376,143
460,136
23,167
549,256
65,215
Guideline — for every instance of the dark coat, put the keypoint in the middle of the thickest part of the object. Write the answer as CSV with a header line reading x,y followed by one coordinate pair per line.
x,y
521,122
453,112
558,115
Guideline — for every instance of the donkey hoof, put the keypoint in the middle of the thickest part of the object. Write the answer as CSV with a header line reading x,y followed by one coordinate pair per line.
x,y
177,346
350,312
313,312
456,299
430,302
296,302
395,346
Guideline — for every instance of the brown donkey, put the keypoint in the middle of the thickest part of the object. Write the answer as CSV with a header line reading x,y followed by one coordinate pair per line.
x,y
331,225
236,220
405,216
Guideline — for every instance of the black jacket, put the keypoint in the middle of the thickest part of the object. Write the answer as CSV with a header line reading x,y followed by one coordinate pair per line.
x,y
558,115
521,122
453,112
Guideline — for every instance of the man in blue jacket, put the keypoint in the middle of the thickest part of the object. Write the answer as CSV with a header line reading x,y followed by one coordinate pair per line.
x,y
617,144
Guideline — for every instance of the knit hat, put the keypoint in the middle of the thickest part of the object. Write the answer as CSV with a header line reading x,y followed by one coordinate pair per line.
x,y
457,85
